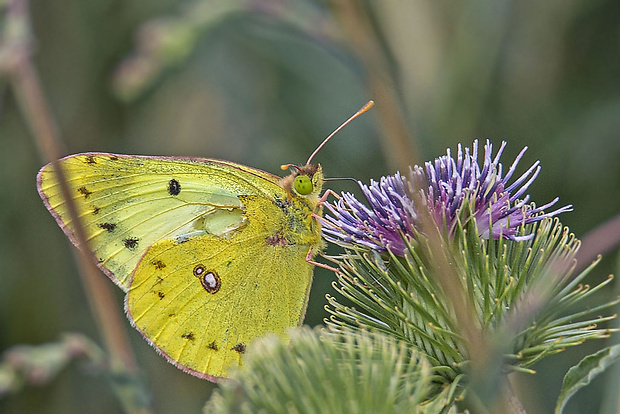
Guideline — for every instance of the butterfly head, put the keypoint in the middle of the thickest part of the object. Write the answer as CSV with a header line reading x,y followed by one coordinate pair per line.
x,y
305,181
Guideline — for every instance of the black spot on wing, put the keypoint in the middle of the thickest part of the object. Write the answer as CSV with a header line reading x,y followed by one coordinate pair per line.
x,y
213,346
131,243
113,158
240,348
158,264
174,187
96,210
90,159
189,336
84,191
110,227
161,294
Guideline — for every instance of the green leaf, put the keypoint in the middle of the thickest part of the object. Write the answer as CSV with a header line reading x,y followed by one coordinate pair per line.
x,y
610,403
581,374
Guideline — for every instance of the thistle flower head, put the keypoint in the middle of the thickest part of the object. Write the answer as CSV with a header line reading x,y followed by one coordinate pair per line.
x,y
497,277
451,190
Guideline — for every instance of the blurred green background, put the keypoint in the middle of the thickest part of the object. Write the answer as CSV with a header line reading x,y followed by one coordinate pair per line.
x,y
262,83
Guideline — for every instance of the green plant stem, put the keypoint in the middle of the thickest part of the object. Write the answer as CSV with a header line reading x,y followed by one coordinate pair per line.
x,y
505,401
399,143
103,304
27,87
509,400
485,359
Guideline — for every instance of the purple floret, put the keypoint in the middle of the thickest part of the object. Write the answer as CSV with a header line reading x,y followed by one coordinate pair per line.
x,y
453,189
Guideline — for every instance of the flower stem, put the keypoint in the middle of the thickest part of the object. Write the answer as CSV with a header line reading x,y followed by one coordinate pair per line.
x,y
509,400
399,143
25,82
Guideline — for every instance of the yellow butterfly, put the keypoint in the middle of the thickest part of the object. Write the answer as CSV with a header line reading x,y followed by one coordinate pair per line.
x,y
212,254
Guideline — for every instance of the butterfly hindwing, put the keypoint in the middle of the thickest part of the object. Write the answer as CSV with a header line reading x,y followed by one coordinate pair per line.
x,y
201,301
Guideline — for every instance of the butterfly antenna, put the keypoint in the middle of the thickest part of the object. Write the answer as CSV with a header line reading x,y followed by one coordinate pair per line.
x,y
287,166
363,109
341,179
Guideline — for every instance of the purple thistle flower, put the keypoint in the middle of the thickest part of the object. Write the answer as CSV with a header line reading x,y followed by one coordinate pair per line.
x,y
454,189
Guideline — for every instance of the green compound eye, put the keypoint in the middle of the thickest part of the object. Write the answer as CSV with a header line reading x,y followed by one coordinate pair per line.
x,y
303,185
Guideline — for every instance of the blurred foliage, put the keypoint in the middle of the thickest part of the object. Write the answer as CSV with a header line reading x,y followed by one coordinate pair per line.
x,y
262,82
24,365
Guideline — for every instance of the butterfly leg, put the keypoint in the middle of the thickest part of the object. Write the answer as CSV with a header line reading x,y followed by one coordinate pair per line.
x,y
323,199
316,216
326,194
324,266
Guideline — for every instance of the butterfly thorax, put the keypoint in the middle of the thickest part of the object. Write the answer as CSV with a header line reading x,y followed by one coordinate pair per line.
x,y
303,188
287,219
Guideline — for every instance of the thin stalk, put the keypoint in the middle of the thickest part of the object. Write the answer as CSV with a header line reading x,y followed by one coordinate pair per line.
x,y
399,144
25,82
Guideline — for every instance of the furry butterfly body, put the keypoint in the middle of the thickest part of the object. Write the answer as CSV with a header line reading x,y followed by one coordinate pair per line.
x,y
212,254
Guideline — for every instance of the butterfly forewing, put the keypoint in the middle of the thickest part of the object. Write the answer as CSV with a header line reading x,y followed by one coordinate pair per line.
x,y
128,203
